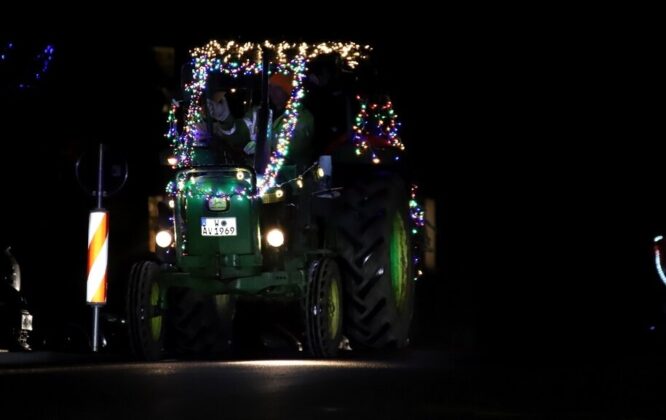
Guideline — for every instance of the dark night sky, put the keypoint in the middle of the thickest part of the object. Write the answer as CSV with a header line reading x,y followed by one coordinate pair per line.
x,y
538,145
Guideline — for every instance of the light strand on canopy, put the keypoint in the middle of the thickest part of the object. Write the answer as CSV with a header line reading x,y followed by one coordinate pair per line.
x,y
237,59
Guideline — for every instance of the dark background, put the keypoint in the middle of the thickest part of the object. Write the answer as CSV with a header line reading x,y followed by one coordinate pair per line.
x,y
539,140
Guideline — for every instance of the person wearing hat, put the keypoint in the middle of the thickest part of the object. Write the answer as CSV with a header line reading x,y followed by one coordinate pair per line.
x,y
238,132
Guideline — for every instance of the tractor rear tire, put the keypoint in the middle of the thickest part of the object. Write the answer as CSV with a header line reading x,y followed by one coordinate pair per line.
x,y
375,246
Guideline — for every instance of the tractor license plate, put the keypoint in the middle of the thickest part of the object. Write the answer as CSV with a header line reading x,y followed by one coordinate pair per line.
x,y
218,226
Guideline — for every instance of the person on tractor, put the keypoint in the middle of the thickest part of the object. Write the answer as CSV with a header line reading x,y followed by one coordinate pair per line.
x,y
224,141
240,133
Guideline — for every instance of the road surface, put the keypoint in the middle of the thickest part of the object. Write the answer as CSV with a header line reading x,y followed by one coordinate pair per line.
x,y
416,384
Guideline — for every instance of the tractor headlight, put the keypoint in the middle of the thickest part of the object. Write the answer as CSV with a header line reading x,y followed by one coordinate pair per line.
x,y
164,238
275,238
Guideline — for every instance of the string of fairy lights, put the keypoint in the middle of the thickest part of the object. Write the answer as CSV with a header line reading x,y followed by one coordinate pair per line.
x,y
42,61
384,130
417,215
415,211
248,53
191,188
276,160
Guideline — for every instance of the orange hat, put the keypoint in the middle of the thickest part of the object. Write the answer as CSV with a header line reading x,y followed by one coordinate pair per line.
x,y
282,81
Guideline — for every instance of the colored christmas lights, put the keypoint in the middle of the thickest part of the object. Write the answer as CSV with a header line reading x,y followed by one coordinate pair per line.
x,y
376,125
417,216
415,210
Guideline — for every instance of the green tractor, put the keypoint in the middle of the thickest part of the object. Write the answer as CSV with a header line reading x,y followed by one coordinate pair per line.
x,y
330,238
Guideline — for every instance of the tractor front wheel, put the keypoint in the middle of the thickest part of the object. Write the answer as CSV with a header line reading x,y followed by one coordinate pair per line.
x,y
201,325
144,311
323,308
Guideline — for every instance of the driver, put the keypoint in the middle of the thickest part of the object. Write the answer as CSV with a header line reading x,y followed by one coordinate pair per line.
x,y
224,137
242,133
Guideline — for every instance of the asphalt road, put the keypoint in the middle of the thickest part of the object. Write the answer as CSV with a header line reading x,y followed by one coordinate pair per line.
x,y
416,384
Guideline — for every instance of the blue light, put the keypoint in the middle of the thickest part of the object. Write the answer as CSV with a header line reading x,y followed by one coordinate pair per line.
x,y
658,238
44,58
